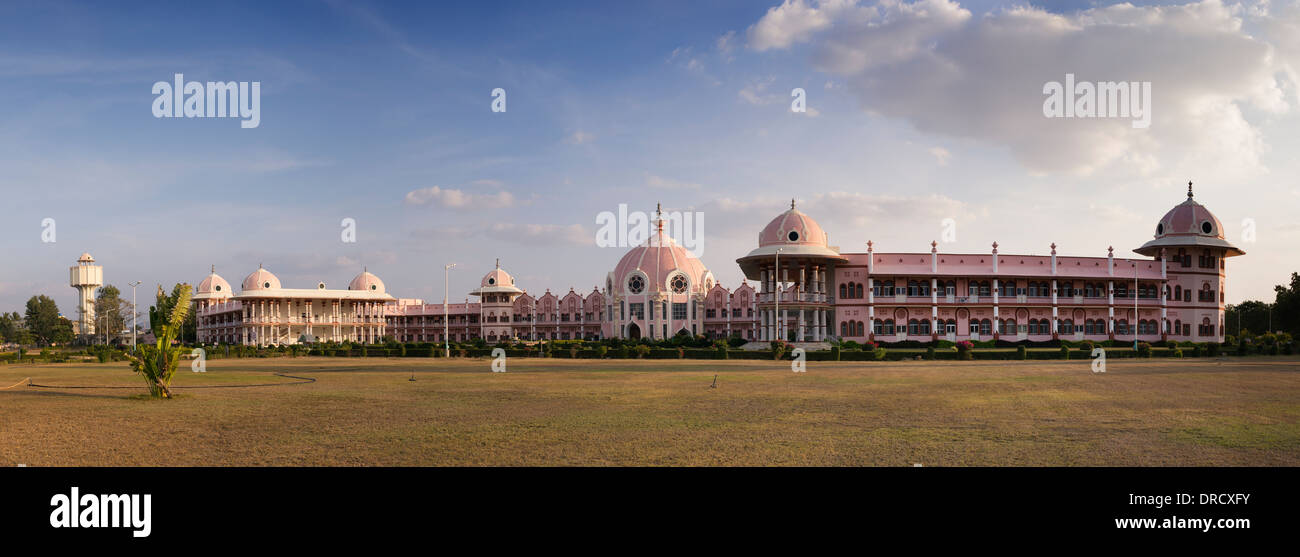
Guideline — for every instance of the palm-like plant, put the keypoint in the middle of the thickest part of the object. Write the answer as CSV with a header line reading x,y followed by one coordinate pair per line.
x,y
157,363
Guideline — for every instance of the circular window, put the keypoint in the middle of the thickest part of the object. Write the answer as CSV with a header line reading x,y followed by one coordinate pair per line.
x,y
1206,227
266,284
1160,229
492,281
793,236
679,284
374,287
636,284
218,288
320,286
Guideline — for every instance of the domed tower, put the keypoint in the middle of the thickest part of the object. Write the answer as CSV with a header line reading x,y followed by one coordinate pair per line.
x,y
794,258
212,290
86,276
1190,240
657,290
497,293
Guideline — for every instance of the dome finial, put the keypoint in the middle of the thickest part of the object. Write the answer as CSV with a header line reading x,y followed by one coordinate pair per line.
x,y
498,262
214,269
659,216
791,203
1189,189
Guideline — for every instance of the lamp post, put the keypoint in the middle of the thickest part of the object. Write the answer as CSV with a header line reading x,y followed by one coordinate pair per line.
x,y
1135,306
446,327
779,333
133,315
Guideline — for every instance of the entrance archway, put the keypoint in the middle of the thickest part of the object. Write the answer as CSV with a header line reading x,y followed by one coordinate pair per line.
x,y
633,331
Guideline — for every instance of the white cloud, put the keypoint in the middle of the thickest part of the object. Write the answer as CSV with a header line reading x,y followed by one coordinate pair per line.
x,y
941,155
458,199
935,66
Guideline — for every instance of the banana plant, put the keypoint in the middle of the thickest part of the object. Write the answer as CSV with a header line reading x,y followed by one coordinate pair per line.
x,y
157,363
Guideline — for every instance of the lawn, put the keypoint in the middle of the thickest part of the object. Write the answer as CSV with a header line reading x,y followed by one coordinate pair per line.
x,y
366,412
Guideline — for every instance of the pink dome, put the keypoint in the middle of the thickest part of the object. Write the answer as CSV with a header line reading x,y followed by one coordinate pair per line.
x,y
214,284
792,228
85,258
1188,224
367,282
261,279
1189,218
656,264
497,277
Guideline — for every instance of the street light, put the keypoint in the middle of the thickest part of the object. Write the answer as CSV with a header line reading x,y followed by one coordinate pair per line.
x,y
133,315
779,333
446,327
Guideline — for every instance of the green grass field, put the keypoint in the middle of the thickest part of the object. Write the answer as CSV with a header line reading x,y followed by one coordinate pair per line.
x,y
365,412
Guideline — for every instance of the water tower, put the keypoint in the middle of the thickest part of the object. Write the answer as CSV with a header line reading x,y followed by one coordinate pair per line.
x,y
86,276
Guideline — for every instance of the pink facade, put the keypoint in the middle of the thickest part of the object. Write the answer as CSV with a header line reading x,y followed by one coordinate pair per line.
x,y
807,292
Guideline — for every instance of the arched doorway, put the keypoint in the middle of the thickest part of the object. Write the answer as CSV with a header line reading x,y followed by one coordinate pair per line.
x,y
633,331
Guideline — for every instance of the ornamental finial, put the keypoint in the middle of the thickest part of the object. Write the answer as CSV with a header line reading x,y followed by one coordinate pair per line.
x,y
792,203
1189,189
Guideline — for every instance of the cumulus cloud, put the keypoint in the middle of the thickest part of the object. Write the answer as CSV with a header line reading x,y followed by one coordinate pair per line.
x,y
458,199
944,71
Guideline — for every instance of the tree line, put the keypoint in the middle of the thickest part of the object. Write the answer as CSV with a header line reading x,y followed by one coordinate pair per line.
x,y
42,324
1255,316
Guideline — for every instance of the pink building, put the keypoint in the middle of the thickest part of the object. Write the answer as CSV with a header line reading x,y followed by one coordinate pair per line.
x,y
811,292
808,291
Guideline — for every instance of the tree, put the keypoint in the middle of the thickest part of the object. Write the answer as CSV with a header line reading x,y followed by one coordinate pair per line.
x,y
1286,308
165,304
109,313
43,321
1251,315
11,327
157,363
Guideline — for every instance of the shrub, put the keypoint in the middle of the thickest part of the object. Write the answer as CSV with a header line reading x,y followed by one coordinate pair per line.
x,y
929,353
721,352
1065,352
1022,354
602,352
1211,349
1144,350
878,354
1178,352
964,350
642,350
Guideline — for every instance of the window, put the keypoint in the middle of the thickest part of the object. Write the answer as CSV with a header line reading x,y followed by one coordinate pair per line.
x,y
859,292
951,326
844,291
679,284
636,284
679,311
913,327
638,311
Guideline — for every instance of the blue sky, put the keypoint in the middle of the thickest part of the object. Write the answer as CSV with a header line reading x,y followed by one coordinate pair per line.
x,y
367,106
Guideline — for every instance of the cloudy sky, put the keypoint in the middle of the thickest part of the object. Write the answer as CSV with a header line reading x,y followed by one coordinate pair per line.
x,y
917,112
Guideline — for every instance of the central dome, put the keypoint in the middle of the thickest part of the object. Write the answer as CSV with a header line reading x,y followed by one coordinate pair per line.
x,y
660,265
367,282
261,279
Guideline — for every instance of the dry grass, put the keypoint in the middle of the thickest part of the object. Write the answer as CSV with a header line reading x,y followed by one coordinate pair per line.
x,y
564,412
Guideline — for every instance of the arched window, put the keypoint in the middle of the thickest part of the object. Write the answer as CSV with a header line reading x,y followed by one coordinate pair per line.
x,y
844,289
844,325
1178,327
986,327
925,326
859,291
913,327
889,326
877,326
973,289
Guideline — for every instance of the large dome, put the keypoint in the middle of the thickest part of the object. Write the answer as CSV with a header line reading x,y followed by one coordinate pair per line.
x,y
656,266
214,285
1188,224
261,279
367,282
